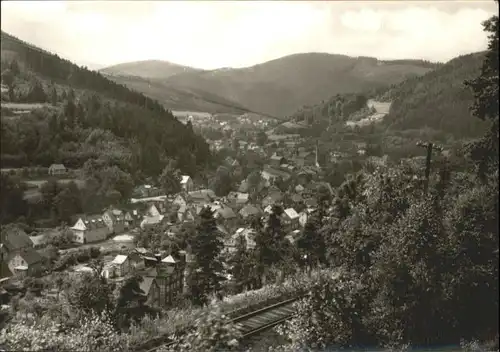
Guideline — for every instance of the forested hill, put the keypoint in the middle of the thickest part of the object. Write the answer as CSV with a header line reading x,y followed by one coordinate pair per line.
x,y
279,87
437,100
80,115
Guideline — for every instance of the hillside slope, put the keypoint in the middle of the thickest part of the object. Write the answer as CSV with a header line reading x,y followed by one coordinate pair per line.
x,y
73,115
281,86
147,69
437,100
176,98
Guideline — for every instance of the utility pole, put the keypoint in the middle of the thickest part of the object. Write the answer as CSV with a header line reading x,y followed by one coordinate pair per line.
x,y
430,147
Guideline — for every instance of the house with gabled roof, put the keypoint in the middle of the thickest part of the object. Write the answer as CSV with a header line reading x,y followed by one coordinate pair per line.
x,y
250,210
57,169
226,215
14,240
89,229
290,219
151,290
187,183
202,196
272,198
25,262
115,220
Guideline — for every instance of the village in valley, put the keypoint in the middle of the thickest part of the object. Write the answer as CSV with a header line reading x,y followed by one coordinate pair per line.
x,y
290,177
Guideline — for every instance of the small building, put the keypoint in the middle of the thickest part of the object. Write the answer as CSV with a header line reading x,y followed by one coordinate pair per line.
x,y
122,265
277,160
151,290
90,229
57,169
202,196
25,262
150,221
115,220
226,215
290,219
180,201
187,183
249,210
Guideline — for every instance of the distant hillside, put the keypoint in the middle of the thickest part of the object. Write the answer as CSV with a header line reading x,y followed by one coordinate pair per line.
x,y
176,98
279,87
147,69
72,115
437,100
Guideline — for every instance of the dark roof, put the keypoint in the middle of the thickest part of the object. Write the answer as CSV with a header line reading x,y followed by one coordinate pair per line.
x,y
146,284
226,212
31,256
16,238
249,210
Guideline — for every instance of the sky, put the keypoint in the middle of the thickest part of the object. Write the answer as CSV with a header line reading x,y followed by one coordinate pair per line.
x,y
212,34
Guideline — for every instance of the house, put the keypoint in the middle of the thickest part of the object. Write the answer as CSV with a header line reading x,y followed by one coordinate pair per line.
x,y
238,198
149,221
272,199
299,188
122,264
290,219
247,233
226,215
185,213
305,215
202,196
305,158
236,169
277,160
89,229
114,220
25,262
57,169
151,290
15,240
131,219
187,184
271,175
180,201
249,210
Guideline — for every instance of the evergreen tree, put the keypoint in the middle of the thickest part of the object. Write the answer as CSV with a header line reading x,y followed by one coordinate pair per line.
x,y
206,247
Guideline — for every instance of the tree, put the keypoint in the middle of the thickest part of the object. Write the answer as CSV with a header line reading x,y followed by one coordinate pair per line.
x,y
53,97
221,184
312,244
92,293
206,247
241,263
270,243
170,178
261,138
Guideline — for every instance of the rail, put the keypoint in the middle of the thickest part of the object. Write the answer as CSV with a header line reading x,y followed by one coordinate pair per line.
x,y
249,324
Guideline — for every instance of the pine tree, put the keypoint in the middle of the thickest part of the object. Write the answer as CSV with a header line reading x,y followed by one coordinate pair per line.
x,y
206,247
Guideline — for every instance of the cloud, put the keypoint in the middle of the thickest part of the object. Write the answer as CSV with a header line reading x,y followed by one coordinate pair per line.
x,y
211,34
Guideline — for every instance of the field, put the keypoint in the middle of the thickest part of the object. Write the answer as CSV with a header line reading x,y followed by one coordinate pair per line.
x,y
381,109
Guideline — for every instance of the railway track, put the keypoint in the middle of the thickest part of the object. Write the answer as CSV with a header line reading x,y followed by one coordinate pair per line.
x,y
253,323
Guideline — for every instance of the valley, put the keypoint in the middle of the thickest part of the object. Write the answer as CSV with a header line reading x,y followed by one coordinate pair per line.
x,y
156,206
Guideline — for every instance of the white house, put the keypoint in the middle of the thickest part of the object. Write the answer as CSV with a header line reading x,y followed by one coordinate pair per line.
x,y
90,229
187,183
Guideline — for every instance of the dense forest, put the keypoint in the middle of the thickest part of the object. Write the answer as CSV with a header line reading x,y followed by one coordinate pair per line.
x,y
92,118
